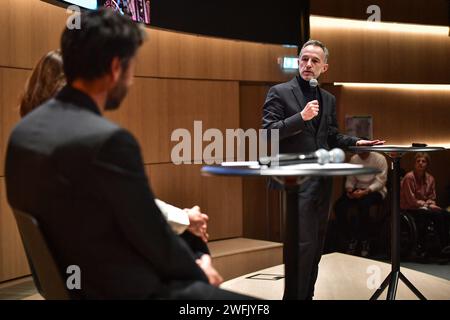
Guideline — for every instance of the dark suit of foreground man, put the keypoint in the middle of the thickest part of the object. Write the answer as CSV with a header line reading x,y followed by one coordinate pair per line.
x,y
306,119
83,177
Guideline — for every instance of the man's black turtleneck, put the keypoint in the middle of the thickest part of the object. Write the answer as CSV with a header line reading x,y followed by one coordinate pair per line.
x,y
311,94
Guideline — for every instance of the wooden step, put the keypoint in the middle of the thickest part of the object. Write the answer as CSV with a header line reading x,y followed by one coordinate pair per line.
x,y
238,256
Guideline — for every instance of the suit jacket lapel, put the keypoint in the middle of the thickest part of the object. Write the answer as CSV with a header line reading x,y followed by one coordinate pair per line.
x,y
301,101
297,92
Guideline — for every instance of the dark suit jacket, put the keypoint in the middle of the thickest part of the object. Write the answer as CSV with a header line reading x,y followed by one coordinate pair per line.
x,y
282,109
83,178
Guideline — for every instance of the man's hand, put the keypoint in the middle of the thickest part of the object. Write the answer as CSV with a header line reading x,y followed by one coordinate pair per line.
x,y
429,204
198,223
434,207
310,111
359,193
350,193
205,264
421,203
369,142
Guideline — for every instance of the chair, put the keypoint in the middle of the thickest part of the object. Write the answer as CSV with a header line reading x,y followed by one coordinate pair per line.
x,y
418,239
44,269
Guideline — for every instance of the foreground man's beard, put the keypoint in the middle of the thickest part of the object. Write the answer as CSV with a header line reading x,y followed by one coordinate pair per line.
x,y
116,95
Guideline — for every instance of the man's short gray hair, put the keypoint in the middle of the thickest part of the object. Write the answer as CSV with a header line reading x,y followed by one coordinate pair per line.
x,y
317,43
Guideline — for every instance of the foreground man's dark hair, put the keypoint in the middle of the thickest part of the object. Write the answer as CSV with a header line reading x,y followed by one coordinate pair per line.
x,y
104,34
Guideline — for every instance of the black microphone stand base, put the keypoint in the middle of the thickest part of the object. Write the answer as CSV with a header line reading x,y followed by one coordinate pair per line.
x,y
392,281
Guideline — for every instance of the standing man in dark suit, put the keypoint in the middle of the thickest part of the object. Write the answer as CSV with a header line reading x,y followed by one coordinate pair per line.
x,y
306,119
82,177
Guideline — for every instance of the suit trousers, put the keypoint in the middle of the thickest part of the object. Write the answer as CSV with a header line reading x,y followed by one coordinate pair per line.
x,y
314,199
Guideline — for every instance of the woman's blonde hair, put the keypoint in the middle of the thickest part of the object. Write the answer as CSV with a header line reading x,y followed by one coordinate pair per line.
x,y
45,81
424,155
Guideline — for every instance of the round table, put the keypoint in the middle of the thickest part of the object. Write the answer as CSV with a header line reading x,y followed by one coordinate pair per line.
x,y
290,177
395,154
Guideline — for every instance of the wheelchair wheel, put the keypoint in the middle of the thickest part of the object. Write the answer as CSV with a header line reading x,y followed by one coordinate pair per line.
x,y
408,235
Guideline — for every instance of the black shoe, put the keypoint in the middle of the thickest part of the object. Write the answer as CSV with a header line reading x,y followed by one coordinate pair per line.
x,y
446,250
365,249
352,247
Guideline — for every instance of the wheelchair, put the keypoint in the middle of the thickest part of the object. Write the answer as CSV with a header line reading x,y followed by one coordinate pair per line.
x,y
418,241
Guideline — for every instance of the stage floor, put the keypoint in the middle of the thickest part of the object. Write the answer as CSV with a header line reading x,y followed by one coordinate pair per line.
x,y
342,277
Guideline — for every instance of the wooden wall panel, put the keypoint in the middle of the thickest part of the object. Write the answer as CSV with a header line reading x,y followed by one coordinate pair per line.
x,y
403,116
12,82
261,212
251,101
171,54
219,197
433,12
154,108
384,56
30,28
254,190
13,262
15,33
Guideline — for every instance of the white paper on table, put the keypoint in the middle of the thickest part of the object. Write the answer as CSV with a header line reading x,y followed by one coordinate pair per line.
x,y
309,166
240,164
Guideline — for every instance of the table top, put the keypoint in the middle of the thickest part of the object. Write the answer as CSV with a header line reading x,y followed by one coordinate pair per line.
x,y
395,148
297,170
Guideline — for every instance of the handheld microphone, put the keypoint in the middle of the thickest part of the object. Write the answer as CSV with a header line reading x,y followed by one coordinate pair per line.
x,y
337,155
313,83
320,156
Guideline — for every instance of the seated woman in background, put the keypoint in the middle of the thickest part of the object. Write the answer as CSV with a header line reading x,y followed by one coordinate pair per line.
x,y
418,196
46,79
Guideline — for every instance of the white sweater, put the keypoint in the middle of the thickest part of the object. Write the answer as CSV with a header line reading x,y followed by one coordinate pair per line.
x,y
373,182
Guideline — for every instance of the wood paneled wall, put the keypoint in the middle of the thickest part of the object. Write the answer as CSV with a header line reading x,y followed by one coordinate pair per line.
x,y
184,187
402,116
32,27
154,108
384,56
174,55
29,28
179,78
12,82
433,12
12,256
260,205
